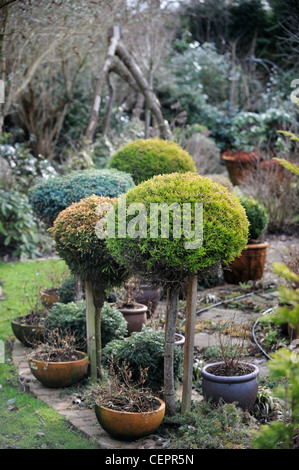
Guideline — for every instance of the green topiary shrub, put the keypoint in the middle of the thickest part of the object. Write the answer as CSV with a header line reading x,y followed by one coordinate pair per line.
x,y
54,195
77,242
67,290
142,350
18,228
71,318
145,158
225,228
257,216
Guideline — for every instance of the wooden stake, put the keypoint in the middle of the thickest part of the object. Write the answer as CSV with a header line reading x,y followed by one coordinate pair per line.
x,y
189,343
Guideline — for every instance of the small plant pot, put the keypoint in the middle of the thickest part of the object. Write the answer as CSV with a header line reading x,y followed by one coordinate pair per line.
x,y
240,165
249,266
136,316
241,389
129,426
49,296
59,374
28,335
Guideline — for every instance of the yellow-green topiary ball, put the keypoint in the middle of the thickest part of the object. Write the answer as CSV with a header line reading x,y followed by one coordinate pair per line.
x,y
145,158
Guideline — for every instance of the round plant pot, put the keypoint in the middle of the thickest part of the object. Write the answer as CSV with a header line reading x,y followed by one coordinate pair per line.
x,y
135,317
59,374
129,426
249,266
49,296
28,335
240,165
149,296
241,389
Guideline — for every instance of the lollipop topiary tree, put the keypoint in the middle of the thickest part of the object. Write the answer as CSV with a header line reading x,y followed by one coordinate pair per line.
x,y
145,158
186,224
50,197
76,241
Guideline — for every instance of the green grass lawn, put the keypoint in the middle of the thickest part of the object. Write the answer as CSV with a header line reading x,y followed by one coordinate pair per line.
x,y
25,422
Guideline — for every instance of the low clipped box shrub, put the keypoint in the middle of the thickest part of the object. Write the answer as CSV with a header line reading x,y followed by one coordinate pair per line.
x,y
139,351
50,197
70,318
256,215
145,158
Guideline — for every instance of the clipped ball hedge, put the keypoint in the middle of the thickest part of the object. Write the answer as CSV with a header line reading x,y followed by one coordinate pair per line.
x,y
76,241
50,197
225,228
257,216
145,158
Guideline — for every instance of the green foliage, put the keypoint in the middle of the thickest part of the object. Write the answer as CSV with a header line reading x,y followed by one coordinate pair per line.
x,y
67,290
71,318
142,350
225,227
145,158
256,215
52,196
76,241
18,229
208,426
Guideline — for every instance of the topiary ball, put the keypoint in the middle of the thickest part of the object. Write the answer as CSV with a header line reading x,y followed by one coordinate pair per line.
x,y
257,216
145,158
49,198
224,228
76,241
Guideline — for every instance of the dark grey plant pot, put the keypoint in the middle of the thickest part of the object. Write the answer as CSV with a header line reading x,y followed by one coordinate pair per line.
x,y
241,389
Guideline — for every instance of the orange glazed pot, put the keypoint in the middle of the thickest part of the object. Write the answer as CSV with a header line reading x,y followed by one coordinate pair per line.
x,y
49,296
249,266
59,374
129,426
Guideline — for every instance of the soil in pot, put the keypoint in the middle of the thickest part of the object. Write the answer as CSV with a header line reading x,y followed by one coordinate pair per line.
x,y
58,369
129,425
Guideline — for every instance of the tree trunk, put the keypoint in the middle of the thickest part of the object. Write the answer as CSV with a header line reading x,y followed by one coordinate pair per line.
x,y
143,85
78,288
170,329
189,343
91,329
114,39
148,110
109,106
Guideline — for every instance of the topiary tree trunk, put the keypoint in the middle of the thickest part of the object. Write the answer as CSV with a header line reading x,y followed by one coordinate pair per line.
x,y
170,329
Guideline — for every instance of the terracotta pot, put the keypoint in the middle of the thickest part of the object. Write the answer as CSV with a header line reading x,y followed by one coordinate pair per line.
x,y
59,374
149,296
129,426
49,296
249,266
28,335
240,165
135,316
241,389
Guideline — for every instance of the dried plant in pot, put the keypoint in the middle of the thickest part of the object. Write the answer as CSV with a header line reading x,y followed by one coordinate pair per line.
x,y
251,263
125,408
29,329
232,379
57,363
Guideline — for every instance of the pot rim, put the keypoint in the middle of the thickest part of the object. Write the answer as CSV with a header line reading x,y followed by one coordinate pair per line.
x,y
132,413
256,246
229,379
85,358
138,308
17,322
